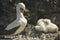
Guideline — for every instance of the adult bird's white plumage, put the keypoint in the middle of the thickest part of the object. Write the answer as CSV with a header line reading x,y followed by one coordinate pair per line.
x,y
20,20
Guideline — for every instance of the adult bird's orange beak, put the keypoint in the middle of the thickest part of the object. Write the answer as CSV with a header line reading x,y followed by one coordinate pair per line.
x,y
26,10
23,9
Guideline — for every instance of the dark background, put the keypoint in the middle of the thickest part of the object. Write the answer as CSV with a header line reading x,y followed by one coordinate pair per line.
x,y
37,9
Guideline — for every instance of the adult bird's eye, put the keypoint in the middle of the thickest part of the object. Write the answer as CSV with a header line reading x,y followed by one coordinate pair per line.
x,y
21,9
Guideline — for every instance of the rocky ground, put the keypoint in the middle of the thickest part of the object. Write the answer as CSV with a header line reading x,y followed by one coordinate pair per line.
x,y
43,37
48,36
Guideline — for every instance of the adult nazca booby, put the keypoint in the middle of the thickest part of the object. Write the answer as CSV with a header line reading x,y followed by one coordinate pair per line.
x,y
20,20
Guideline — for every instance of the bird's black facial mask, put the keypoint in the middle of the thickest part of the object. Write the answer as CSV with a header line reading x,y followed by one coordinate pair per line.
x,y
22,10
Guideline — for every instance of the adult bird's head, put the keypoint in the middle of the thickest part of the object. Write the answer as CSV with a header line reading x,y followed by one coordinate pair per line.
x,y
21,7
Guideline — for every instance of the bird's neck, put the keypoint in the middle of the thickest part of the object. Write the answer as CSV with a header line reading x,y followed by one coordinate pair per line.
x,y
19,13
